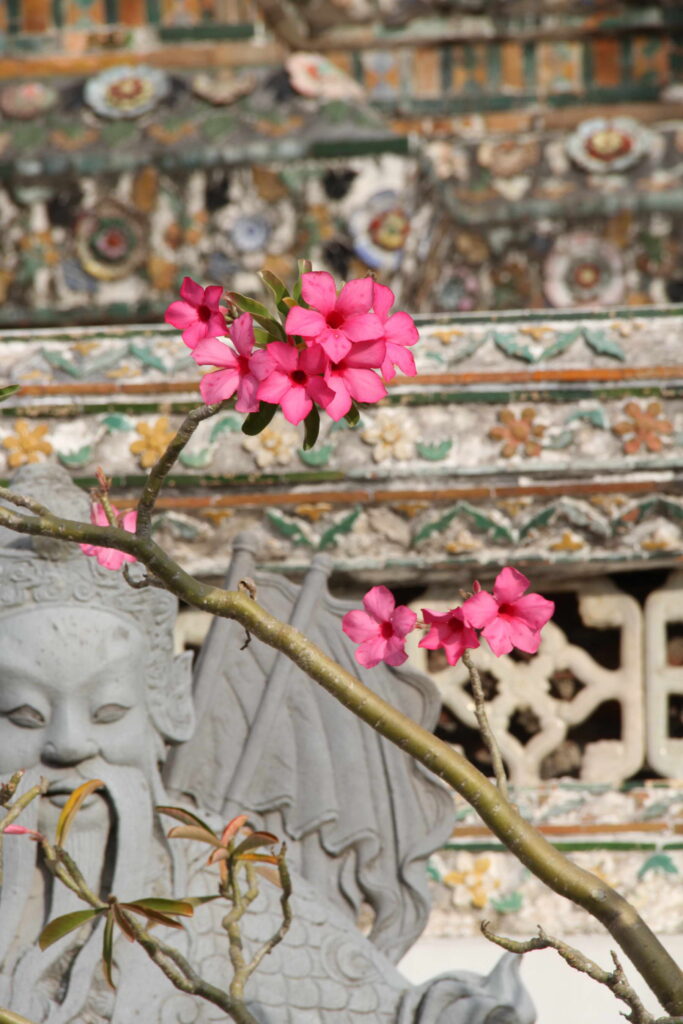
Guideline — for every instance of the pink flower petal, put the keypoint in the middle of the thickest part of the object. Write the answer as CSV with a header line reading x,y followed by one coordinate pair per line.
x,y
216,326
319,391
401,357
359,626
366,354
261,364
247,392
480,609
319,290
242,334
497,635
212,352
180,314
274,387
341,403
395,653
403,620
334,343
219,385
509,586
534,610
306,323
313,360
371,652
355,297
130,521
192,292
363,327
194,333
400,329
379,602
285,357
98,517
382,300
296,404
212,295
521,635
364,385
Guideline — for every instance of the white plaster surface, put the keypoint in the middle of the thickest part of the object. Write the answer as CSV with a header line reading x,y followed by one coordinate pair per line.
x,y
561,995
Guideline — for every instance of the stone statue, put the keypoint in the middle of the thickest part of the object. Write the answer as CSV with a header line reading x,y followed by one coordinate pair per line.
x,y
89,688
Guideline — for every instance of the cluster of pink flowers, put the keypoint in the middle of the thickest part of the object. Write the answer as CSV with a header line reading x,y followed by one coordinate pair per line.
x,y
339,348
507,618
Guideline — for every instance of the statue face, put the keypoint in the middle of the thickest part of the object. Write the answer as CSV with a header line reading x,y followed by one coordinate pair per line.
x,y
72,689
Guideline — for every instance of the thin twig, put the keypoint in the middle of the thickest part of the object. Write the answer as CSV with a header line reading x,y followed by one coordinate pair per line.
x,y
484,727
17,807
164,464
21,501
616,980
278,936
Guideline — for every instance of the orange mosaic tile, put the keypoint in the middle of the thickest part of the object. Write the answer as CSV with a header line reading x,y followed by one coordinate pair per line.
x,y
75,14
180,11
132,12
559,67
36,15
606,61
512,67
426,72
650,59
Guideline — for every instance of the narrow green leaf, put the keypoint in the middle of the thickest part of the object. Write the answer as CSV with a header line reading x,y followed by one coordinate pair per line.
x,y
108,949
196,901
120,919
147,357
254,842
61,926
305,267
249,305
436,526
192,832
507,344
163,906
311,428
71,807
152,916
187,817
8,391
563,341
601,343
276,286
287,528
255,422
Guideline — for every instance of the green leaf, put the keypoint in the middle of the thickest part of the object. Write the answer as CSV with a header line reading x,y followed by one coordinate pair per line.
x,y
115,421
227,424
196,460
537,521
434,452
259,312
255,422
316,458
71,807
287,528
61,926
187,817
59,362
193,832
562,343
495,530
278,288
108,949
8,391
603,345
254,842
197,901
163,906
304,267
507,344
594,416
353,416
311,428
78,458
437,526
343,526
658,862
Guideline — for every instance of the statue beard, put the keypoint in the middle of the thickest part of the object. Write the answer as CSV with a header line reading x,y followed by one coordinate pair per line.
x,y
111,842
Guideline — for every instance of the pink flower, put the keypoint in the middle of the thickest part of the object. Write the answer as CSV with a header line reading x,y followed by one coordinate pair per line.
x,y
334,321
238,368
354,378
20,830
399,332
507,619
197,313
380,630
449,631
293,378
110,558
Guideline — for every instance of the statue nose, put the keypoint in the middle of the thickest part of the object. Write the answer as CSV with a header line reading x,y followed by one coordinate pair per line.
x,y
68,740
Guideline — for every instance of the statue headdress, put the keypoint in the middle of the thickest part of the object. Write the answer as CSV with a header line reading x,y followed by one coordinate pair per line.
x,y
41,571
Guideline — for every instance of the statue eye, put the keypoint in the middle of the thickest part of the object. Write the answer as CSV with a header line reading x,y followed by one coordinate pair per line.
x,y
109,713
26,716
